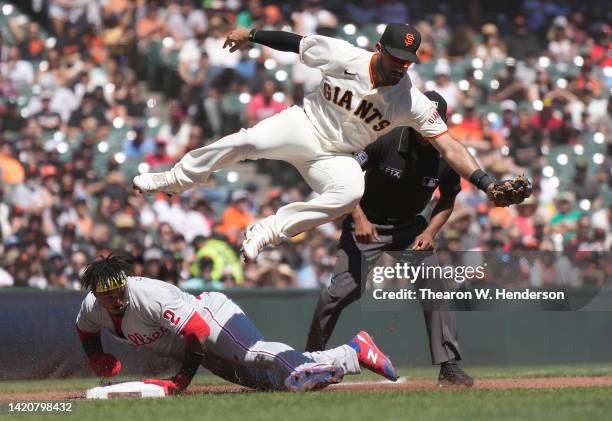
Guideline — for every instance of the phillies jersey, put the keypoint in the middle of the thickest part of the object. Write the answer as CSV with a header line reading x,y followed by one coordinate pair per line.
x,y
347,111
156,314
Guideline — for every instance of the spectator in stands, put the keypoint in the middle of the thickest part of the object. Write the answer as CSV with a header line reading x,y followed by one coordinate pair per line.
x,y
176,132
204,279
184,22
446,87
582,183
153,263
545,120
133,102
11,118
601,221
560,46
470,127
29,41
510,87
90,116
160,158
603,123
48,120
521,41
525,142
152,24
139,146
263,105
550,269
18,71
492,49
566,133
236,217
541,87
524,219
192,68
586,104
509,118
566,218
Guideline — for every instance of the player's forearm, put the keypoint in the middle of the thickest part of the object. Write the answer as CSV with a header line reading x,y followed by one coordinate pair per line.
x,y
92,345
460,159
358,214
457,155
195,333
194,352
278,40
440,215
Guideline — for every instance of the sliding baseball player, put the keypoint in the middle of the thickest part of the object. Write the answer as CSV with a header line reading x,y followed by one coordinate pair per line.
x,y
209,330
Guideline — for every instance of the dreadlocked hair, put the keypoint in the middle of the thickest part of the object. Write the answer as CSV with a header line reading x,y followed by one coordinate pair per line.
x,y
104,268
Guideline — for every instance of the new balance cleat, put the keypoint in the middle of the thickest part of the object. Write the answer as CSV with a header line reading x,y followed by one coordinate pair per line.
x,y
314,378
371,357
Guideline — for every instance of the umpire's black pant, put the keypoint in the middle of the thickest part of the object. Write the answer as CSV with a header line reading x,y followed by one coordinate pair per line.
x,y
346,286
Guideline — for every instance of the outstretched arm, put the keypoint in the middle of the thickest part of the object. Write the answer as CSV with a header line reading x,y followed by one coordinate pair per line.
x,y
504,193
278,40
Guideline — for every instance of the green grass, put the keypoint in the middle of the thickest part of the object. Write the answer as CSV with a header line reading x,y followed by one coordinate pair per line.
x,y
559,404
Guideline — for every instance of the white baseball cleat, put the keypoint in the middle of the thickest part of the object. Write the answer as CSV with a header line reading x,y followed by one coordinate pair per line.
x,y
252,246
256,237
156,181
313,378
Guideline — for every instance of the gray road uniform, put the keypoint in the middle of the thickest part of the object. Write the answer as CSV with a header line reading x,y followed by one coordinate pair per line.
x,y
235,349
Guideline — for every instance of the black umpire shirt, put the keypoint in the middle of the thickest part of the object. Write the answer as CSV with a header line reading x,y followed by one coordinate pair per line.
x,y
401,176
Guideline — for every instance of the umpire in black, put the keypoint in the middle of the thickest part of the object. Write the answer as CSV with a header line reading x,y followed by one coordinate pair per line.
x,y
402,172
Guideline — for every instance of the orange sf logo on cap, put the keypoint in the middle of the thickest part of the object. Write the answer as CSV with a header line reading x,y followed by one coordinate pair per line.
x,y
409,40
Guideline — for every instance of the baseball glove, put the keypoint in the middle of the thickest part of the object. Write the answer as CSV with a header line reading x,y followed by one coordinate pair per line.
x,y
510,192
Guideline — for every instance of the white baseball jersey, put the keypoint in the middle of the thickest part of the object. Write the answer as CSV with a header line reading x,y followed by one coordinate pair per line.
x,y
347,112
154,318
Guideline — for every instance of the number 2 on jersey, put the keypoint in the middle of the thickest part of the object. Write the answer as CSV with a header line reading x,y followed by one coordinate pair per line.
x,y
171,317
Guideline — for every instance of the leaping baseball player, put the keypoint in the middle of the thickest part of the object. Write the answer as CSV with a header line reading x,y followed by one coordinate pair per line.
x,y
209,330
362,96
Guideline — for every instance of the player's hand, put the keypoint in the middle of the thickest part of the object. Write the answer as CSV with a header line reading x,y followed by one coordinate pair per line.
x,y
172,386
237,39
365,231
424,241
105,365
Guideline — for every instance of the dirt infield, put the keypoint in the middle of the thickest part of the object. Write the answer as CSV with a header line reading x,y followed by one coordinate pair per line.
x,y
402,384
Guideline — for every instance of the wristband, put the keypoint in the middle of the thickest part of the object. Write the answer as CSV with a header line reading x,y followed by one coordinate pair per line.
x,y
252,35
481,179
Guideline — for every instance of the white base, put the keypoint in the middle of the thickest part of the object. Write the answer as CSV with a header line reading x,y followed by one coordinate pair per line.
x,y
126,390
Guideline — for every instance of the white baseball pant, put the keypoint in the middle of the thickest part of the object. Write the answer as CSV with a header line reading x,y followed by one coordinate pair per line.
x,y
287,136
235,340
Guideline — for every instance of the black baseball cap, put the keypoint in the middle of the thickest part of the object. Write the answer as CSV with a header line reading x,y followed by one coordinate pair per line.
x,y
440,103
401,41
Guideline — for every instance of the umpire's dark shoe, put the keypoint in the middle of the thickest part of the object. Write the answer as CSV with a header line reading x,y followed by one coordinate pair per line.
x,y
452,375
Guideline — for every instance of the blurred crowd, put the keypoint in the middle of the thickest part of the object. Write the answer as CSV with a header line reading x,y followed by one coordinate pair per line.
x,y
94,91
